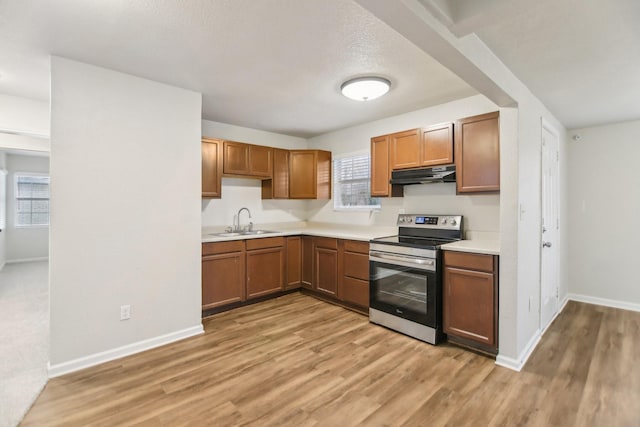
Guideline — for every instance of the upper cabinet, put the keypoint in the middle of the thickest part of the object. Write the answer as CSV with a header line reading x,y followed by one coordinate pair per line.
x,y
477,147
260,160
380,171
278,186
247,160
211,168
309,174
436,147
403,147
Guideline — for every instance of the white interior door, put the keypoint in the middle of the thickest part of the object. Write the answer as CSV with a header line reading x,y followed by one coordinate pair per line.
x,y
549,262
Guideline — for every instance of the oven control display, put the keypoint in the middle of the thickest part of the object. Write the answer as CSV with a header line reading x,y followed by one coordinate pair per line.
x,y
431,220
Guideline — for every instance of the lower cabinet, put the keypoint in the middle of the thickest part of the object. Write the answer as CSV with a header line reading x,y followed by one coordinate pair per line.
x,y
242,270
265,266
326,265
470,299
354,283
294,262
307,262
223,273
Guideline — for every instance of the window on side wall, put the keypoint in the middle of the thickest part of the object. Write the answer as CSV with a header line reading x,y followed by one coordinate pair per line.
x,y
32,200
352,183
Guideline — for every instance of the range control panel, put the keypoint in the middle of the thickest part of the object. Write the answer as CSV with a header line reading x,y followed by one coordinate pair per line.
x,y
450,222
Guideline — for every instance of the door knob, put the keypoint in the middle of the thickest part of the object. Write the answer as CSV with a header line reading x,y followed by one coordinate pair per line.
x,y
546,244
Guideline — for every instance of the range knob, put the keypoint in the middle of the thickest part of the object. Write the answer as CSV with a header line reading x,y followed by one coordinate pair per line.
x,y
444,221
452,221
409,219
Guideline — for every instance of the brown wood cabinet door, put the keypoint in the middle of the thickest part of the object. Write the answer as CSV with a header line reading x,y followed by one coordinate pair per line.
x,y
477,150
469,305
307,261
326,270
260,161
265,271
294,262
323,174
356,265
302,174
235,158
354,268
404,149
437,145
211,168
223,279
280,174
355,291
380,172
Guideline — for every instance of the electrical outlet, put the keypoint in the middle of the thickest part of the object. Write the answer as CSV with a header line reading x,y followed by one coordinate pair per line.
x,y
125,312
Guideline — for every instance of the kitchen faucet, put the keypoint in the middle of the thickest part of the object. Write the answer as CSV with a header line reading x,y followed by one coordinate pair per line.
x,y
237,229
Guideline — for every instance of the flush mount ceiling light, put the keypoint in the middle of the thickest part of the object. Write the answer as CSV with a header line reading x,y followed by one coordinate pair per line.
x,y
365,88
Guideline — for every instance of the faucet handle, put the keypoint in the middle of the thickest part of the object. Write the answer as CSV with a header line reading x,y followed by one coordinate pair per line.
x,y
250,226
228,229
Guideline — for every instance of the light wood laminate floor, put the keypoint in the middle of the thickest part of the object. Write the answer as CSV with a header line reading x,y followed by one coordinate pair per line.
x,y
302,362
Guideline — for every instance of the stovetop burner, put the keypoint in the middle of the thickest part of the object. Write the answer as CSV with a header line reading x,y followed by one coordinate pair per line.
x,y
425,231
414,241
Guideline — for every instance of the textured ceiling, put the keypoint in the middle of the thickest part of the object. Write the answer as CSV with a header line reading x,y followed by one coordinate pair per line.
x,y
581,58
275,65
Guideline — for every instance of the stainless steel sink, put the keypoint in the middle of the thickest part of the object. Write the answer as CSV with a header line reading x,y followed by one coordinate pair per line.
x,y
258,232
242,233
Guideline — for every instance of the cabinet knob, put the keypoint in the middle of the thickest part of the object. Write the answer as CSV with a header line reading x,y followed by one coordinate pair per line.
x,y
546,244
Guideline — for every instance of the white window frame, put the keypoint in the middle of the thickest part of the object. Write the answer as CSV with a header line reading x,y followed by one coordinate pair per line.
x,y
15,200
335,186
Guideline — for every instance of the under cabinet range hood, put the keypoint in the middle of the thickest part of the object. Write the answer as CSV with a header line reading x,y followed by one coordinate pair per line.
x,y
424,175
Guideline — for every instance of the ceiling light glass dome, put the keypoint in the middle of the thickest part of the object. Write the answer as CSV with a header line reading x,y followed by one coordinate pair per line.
x,y
365,88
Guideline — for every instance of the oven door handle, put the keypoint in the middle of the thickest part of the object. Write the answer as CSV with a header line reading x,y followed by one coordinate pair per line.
x,y
419,263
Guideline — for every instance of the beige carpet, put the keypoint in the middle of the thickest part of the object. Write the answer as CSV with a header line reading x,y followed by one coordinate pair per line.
x,y
24,338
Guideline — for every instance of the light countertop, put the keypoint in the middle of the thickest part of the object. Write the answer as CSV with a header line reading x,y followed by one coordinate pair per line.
x,y
339,231
477,244
480,246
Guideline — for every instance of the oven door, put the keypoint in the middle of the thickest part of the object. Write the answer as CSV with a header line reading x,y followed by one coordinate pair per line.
x,y
407,288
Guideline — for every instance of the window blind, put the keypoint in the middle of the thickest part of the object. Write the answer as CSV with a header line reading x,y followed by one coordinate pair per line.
x,y
352,183
32,200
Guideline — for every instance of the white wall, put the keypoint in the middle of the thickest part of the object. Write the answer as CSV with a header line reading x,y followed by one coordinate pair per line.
x,y
482,212
125,220
604,209
240,192
24,243
3,206
24,116
521,209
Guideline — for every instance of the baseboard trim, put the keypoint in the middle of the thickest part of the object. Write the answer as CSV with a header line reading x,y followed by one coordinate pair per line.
x,y
18,261
517,364
605,302
117,353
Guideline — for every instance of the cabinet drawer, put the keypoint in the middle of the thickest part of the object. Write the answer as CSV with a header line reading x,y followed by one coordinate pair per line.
x,y
356,265
222,247
356,246
267,242
326,242
356,291
479,262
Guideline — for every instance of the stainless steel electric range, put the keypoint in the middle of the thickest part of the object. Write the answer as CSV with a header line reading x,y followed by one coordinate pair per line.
x,y
405,275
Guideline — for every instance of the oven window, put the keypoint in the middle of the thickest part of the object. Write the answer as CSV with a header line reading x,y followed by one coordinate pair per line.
x,y
400,287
